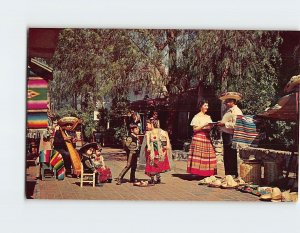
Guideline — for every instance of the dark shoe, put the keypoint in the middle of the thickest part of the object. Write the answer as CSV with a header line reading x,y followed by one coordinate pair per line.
x,y
109,180
99,185
119,182
151,182
133,181
158,181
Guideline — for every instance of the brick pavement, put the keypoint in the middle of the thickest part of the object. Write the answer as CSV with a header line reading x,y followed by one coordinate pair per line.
x,y
177,186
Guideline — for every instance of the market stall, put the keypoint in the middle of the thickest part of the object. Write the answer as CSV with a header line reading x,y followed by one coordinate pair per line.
x,y
286,109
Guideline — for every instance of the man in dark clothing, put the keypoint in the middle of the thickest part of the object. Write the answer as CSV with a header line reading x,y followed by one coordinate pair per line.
x,y
133,150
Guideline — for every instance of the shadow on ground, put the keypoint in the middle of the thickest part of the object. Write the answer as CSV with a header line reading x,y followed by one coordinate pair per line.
x,y
114,157
188,177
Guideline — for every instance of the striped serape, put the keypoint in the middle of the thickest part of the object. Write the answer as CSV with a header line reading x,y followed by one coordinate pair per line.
x,y
246,132
45,156
37,120
56,160
37,93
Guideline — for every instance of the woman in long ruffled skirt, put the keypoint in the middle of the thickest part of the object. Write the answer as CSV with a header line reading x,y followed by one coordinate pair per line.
x,y
202,158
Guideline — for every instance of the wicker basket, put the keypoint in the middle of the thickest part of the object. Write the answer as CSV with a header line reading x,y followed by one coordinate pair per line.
x,y
250,171
271,172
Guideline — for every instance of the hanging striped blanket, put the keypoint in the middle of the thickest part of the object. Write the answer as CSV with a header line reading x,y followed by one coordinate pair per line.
x,y
56,160
246,132
37,93
37,120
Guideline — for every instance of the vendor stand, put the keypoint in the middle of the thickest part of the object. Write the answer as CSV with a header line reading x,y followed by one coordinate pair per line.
x,y
286,109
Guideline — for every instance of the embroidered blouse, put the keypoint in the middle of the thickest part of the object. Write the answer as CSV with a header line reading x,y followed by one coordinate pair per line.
x,y
201,120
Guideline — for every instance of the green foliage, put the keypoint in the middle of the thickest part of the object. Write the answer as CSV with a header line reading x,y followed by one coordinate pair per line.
x,y
120,107
94,60
96,64
243,61
65,112
103,117
280,135
120,134
89,125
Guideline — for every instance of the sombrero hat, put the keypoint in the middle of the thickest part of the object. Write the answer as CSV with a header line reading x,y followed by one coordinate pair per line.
x,y
68,120
87,146
74,121
276,194
231,95
292,84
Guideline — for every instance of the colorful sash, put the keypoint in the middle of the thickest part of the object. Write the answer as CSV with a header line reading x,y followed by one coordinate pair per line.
x,y
56,160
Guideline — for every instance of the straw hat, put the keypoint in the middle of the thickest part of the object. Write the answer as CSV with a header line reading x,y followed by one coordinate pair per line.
x,y
266,197
286,196
207,180
276,194
215,184
229,182
294,196
72,121
231,95
67,120
292,84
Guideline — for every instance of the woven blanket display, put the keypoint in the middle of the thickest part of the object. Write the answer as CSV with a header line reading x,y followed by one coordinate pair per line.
x,y
37,120
56,160
246,132
37,94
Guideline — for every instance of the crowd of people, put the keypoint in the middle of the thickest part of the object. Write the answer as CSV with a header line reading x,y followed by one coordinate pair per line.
x,y
155,149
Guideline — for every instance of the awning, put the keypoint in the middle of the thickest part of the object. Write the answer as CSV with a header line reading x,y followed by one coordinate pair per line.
x,y
286,109
42,42
41,69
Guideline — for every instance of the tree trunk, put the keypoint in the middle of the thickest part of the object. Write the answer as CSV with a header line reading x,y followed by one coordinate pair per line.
x,y
75,101
200,94
170,122
171,40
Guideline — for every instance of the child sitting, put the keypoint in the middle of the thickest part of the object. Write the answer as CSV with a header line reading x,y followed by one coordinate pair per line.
x,y
87,154
103,171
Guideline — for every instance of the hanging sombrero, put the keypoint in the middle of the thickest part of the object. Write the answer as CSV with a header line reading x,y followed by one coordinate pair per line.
x,y
231,95
292,84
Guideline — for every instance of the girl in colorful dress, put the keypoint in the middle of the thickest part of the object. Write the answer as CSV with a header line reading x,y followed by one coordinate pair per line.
x,y
157,159
104,172
202,158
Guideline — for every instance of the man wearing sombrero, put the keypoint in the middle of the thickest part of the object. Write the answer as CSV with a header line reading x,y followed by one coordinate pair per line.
x,y
227,127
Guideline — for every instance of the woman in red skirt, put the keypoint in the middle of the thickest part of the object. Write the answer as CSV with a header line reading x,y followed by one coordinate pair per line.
x,y
158,145
202,158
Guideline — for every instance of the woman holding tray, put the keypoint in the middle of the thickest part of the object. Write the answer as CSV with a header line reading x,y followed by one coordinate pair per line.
x,y
202,158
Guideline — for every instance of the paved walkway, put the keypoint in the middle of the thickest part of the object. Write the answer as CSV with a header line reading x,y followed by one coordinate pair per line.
x,y
177,186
